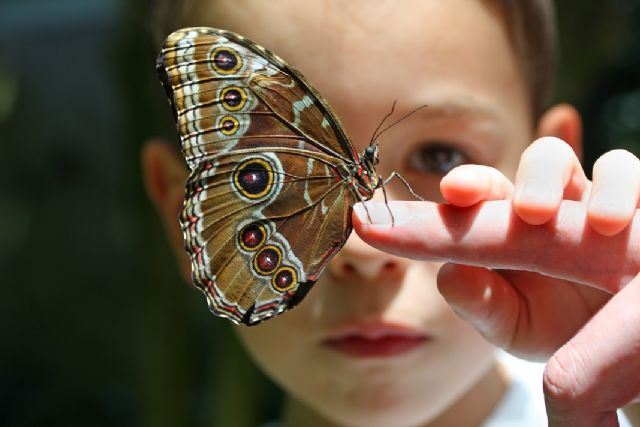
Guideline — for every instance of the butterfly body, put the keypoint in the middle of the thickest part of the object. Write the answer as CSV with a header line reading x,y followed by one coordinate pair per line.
x,y
273,176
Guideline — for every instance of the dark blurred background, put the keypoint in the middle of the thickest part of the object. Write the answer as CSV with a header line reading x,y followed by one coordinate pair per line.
x,y
95,329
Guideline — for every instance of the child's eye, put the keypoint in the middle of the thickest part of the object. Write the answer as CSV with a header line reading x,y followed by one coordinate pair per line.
x,y
436,158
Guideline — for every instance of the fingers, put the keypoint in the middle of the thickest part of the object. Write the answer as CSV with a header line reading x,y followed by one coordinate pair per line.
x,y
597,371
484,299
615,192
521,312
549,172
490,235
467,185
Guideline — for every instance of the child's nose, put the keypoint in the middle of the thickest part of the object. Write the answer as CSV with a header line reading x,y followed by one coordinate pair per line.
x,y
357,260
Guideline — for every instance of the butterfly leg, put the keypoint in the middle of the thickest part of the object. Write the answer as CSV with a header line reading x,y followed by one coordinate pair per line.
x,y
386,200
361,199
404,181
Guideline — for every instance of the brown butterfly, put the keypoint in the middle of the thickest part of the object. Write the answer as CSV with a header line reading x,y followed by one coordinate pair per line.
x,y
273,175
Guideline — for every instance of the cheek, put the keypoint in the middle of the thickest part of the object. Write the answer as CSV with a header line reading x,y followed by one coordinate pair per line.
x,y
278,344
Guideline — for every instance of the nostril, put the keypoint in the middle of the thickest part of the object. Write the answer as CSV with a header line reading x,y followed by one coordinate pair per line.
x,y
389,267
348,269
366,268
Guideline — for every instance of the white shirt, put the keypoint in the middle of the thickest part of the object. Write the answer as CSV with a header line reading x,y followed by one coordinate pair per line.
x,y
523,403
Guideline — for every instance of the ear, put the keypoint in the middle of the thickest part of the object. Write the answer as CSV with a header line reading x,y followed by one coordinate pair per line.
x,y
563,121
164,177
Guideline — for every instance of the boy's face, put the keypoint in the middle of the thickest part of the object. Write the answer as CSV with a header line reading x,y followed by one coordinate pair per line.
x,y
455,57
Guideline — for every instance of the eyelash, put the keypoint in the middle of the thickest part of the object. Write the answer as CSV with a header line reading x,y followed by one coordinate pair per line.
x,y
436,158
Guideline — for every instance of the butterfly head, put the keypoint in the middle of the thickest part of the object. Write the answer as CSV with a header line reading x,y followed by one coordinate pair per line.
x,y
371,154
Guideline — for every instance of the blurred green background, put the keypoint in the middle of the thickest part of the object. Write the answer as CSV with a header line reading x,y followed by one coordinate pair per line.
x,y
95,326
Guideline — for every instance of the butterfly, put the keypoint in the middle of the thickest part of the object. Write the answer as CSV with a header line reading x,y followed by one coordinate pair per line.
x,y
272,174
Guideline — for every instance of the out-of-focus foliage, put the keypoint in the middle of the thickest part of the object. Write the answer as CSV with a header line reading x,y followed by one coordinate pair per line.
x,y
95,324
8,92
600,71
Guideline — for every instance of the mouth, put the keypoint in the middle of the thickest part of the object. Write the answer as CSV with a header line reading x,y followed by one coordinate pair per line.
x,y
375,340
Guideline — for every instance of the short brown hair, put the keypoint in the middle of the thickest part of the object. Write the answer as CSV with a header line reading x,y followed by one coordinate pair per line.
x,y
531,25
533,32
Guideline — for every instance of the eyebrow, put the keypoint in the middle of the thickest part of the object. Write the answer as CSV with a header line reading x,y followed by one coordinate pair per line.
x,y
462,106
457,105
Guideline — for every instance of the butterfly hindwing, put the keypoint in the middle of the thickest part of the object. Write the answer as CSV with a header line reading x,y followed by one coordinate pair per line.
x,y
245,212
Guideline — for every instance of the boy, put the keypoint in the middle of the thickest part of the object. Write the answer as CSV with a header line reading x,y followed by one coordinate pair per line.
x,y
374,344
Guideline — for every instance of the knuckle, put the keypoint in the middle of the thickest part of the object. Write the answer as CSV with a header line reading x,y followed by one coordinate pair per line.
x,y
617,158
561,382
547,148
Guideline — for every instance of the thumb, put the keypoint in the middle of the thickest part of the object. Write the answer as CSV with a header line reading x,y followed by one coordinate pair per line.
x,y
483,298
598,370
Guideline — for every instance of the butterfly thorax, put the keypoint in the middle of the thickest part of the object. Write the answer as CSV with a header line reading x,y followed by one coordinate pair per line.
x,y
366,179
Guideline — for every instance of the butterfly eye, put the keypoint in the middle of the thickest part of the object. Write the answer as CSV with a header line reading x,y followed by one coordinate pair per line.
x,y
371,153
436,158
368,152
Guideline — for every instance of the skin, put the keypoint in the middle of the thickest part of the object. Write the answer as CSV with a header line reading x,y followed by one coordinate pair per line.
x,y
478,113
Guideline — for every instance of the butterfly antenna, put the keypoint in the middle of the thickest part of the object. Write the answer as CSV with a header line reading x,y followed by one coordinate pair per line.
x,y
406,116
389,114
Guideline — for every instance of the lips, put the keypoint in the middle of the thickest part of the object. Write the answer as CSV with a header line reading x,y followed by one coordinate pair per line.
x,y
375,340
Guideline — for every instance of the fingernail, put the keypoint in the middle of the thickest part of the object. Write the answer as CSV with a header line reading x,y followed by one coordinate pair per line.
x,y
537,191
380,214
608,204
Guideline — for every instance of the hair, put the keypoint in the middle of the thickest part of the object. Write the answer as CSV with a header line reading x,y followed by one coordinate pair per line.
x,y
531,25
533,32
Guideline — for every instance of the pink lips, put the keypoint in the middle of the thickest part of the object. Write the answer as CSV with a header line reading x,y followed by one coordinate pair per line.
x,y
375,340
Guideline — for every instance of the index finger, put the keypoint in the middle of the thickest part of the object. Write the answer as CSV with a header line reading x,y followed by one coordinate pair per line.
x,y
491,235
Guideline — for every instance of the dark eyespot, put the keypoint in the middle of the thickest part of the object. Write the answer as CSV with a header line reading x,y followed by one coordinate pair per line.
x,y
252,236
436,158
225,60
233,98
267,260
284,279
254,178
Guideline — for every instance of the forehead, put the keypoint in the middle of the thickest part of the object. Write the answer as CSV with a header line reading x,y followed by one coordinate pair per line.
x,y
364,54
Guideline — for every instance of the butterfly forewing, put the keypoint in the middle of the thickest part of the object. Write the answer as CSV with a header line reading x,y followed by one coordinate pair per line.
x,y
227,91
267,201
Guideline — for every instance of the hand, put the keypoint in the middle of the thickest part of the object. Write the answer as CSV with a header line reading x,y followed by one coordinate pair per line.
x,y
542,259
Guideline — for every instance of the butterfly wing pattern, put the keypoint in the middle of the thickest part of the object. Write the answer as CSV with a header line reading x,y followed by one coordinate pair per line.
x,y
270,191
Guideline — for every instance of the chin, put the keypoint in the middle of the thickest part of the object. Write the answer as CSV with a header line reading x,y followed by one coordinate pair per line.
x,y
381,417
384,406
